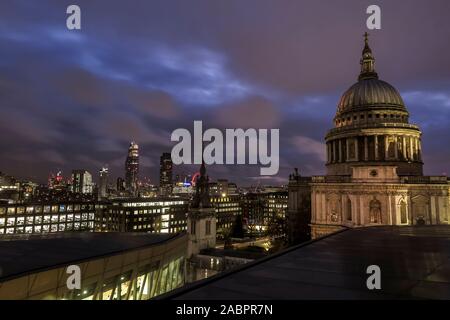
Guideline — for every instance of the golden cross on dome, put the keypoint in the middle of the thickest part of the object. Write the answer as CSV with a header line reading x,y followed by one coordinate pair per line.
x,y
366,37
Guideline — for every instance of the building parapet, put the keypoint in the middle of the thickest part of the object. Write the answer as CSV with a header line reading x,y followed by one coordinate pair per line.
x,y
372,126
402,179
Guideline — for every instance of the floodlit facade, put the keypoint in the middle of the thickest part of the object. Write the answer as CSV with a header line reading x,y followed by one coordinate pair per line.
x,y
374,163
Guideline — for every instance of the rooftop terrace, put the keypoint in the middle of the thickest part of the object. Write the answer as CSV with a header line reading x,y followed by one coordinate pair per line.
x,y
414,262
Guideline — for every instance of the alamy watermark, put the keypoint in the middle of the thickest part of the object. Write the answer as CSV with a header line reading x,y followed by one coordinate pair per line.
x,y
74,279
374,280
235,145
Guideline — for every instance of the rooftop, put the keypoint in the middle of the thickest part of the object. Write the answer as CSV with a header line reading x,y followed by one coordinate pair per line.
x,y
31,253
414,262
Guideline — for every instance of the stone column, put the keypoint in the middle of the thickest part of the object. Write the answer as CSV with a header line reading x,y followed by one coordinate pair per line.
x,y
411,152
416,148
376,146
394,210
433,210
324,207
347,149
419,149
357,155
409,211
386,147
340,150
315,214
328,152
396,147
405,153
389,209
366,149
362,219
357,216
334,150
313,207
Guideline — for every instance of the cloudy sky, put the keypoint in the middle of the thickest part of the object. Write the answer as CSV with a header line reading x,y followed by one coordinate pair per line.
x,y
140,69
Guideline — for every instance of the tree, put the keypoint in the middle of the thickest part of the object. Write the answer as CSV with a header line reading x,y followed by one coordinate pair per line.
x,y
276,226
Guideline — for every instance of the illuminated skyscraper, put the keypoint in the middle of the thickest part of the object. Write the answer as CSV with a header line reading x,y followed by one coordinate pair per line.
x,y
165,173
103,183
132,168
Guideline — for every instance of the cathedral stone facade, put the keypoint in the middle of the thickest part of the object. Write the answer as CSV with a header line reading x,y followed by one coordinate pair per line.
x,y
374,164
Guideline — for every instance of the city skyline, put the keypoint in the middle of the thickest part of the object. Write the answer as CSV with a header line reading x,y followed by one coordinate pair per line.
x,y
77,99
224,150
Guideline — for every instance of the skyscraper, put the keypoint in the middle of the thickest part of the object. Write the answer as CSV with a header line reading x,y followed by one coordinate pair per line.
x,y
103,183
165,173
132,168
81,181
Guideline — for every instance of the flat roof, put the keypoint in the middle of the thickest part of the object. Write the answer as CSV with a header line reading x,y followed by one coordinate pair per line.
x,y
414,262
25,254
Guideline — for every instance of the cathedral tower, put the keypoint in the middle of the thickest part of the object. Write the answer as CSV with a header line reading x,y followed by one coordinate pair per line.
x,y
201,220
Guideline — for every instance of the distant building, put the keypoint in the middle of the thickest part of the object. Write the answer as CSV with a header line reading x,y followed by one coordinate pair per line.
x,y
132,169
147,190
57,182
153,215
298,215
49,217
82,182
227,207
183,189
120,184
103,183
222,187
27,190
165,173
262,210
9,188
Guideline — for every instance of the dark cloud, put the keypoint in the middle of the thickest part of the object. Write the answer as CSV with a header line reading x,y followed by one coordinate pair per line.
x,y
139,70
253,112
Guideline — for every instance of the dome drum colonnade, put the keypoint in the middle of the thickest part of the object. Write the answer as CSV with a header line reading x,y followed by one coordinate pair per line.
x,y
371,125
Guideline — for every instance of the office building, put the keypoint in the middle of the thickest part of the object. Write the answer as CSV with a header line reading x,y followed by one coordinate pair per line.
x,y
153,215
82,182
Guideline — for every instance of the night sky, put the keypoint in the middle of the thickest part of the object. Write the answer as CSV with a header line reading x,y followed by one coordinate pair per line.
x,y
140,69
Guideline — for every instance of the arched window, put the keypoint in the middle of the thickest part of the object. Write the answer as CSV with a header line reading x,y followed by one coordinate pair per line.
x,y
403,216
375,211
349,209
